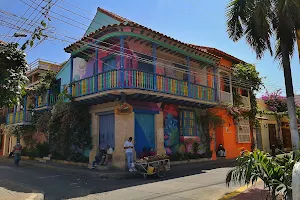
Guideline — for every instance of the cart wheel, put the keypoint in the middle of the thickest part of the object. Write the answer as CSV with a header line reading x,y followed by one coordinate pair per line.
x,y
145,176
161,172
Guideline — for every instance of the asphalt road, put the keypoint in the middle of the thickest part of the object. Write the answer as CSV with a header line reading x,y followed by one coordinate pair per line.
x,y
59,184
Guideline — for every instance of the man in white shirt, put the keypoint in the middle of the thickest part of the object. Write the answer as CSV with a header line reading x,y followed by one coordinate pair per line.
x,y
128,146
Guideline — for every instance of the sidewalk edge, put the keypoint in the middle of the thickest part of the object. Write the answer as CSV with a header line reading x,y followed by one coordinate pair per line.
x,y
238,191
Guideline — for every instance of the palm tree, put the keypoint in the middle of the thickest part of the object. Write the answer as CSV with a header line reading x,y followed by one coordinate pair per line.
x,y
259,21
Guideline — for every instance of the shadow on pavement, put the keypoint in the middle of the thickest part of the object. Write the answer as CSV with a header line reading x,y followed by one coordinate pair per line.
x,y
61,184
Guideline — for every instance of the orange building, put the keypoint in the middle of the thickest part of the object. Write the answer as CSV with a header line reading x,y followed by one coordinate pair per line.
x,y
232,135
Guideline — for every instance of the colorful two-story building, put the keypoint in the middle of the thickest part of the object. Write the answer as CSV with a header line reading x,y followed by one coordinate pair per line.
x,y
143,84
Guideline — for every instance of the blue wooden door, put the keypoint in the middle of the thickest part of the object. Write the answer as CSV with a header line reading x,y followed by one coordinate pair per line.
x,y
107,130
144,132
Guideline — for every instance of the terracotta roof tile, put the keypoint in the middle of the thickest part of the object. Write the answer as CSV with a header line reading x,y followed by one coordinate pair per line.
x,y
217,51
113,15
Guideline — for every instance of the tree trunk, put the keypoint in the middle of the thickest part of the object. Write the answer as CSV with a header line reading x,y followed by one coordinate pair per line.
x,y
290,97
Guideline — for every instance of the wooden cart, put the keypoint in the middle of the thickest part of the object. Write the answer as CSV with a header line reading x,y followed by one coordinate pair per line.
x,y
153,167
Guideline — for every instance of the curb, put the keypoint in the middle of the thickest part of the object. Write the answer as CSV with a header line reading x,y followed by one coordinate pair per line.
x,y
36,196
238,191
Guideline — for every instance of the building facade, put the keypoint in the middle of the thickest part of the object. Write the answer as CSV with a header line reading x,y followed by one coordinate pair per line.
x,y
143,84
21,114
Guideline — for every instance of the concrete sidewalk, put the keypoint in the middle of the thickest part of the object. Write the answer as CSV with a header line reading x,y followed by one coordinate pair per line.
x,y
256,192
10,190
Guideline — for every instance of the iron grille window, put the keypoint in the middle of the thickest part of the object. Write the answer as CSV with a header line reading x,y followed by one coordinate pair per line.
x,y
188,125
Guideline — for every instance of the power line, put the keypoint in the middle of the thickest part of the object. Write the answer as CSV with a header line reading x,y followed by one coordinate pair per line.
x,y
96,29
39,12
17,22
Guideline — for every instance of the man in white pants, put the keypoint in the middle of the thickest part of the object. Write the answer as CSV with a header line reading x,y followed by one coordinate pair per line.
x,y
128,146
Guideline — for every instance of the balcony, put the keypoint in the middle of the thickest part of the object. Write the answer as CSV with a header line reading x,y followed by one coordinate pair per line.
x,y
19,117
226,98
245,102
143,81
43,101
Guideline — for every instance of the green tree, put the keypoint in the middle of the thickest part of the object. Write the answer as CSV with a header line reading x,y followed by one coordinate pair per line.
x,y
208,120
245,72
258,21
13,66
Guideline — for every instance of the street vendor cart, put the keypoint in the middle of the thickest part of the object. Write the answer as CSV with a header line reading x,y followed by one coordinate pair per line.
x,y
153,165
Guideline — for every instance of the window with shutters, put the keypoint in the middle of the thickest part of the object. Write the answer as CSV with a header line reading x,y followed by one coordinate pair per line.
x,y
243,131
188,126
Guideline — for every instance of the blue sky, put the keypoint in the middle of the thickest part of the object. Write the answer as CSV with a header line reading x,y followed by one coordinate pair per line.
x,y
191,21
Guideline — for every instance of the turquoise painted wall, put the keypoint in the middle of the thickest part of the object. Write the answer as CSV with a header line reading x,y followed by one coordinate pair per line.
x,y
64,74
100,20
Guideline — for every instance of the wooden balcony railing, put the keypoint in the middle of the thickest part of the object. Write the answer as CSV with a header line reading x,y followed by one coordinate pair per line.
x,y
136,79
225,97
246,102
46,100
18,117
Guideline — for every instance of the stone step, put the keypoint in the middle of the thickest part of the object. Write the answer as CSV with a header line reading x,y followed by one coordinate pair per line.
x,y
46,158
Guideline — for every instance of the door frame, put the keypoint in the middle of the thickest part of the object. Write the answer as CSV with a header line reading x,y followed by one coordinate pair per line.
x,y
101,114
151,112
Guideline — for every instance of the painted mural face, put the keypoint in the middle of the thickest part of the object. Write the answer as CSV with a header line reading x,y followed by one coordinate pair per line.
x,y
171,133
80,67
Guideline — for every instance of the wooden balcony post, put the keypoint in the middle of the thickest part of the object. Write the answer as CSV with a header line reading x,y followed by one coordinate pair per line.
x,y
24,108
216,83
189,76
71,76
47,98
15,110
122,60
96,71
230,87
154,65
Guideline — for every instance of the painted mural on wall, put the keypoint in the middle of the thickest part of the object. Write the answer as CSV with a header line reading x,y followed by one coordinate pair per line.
x,y
173,141
80,69
171,131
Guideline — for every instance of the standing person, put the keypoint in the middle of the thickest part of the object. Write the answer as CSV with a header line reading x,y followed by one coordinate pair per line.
x,y
17,153
128,146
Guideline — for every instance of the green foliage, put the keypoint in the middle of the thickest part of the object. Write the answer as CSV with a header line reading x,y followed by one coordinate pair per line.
x,y
276,173
69,130
195,147
247,73
188,156
40,120
207,119
12,74
43,149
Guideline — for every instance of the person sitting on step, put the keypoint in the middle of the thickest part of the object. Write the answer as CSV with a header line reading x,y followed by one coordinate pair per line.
x,y
221,152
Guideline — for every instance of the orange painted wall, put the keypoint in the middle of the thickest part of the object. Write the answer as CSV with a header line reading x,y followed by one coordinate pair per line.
x,y
225,62
227,134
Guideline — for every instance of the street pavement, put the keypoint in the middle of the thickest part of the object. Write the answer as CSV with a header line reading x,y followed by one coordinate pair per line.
x,y
205,181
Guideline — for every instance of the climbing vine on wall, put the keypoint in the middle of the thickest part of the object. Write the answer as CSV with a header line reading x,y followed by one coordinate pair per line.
x,y
244,72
